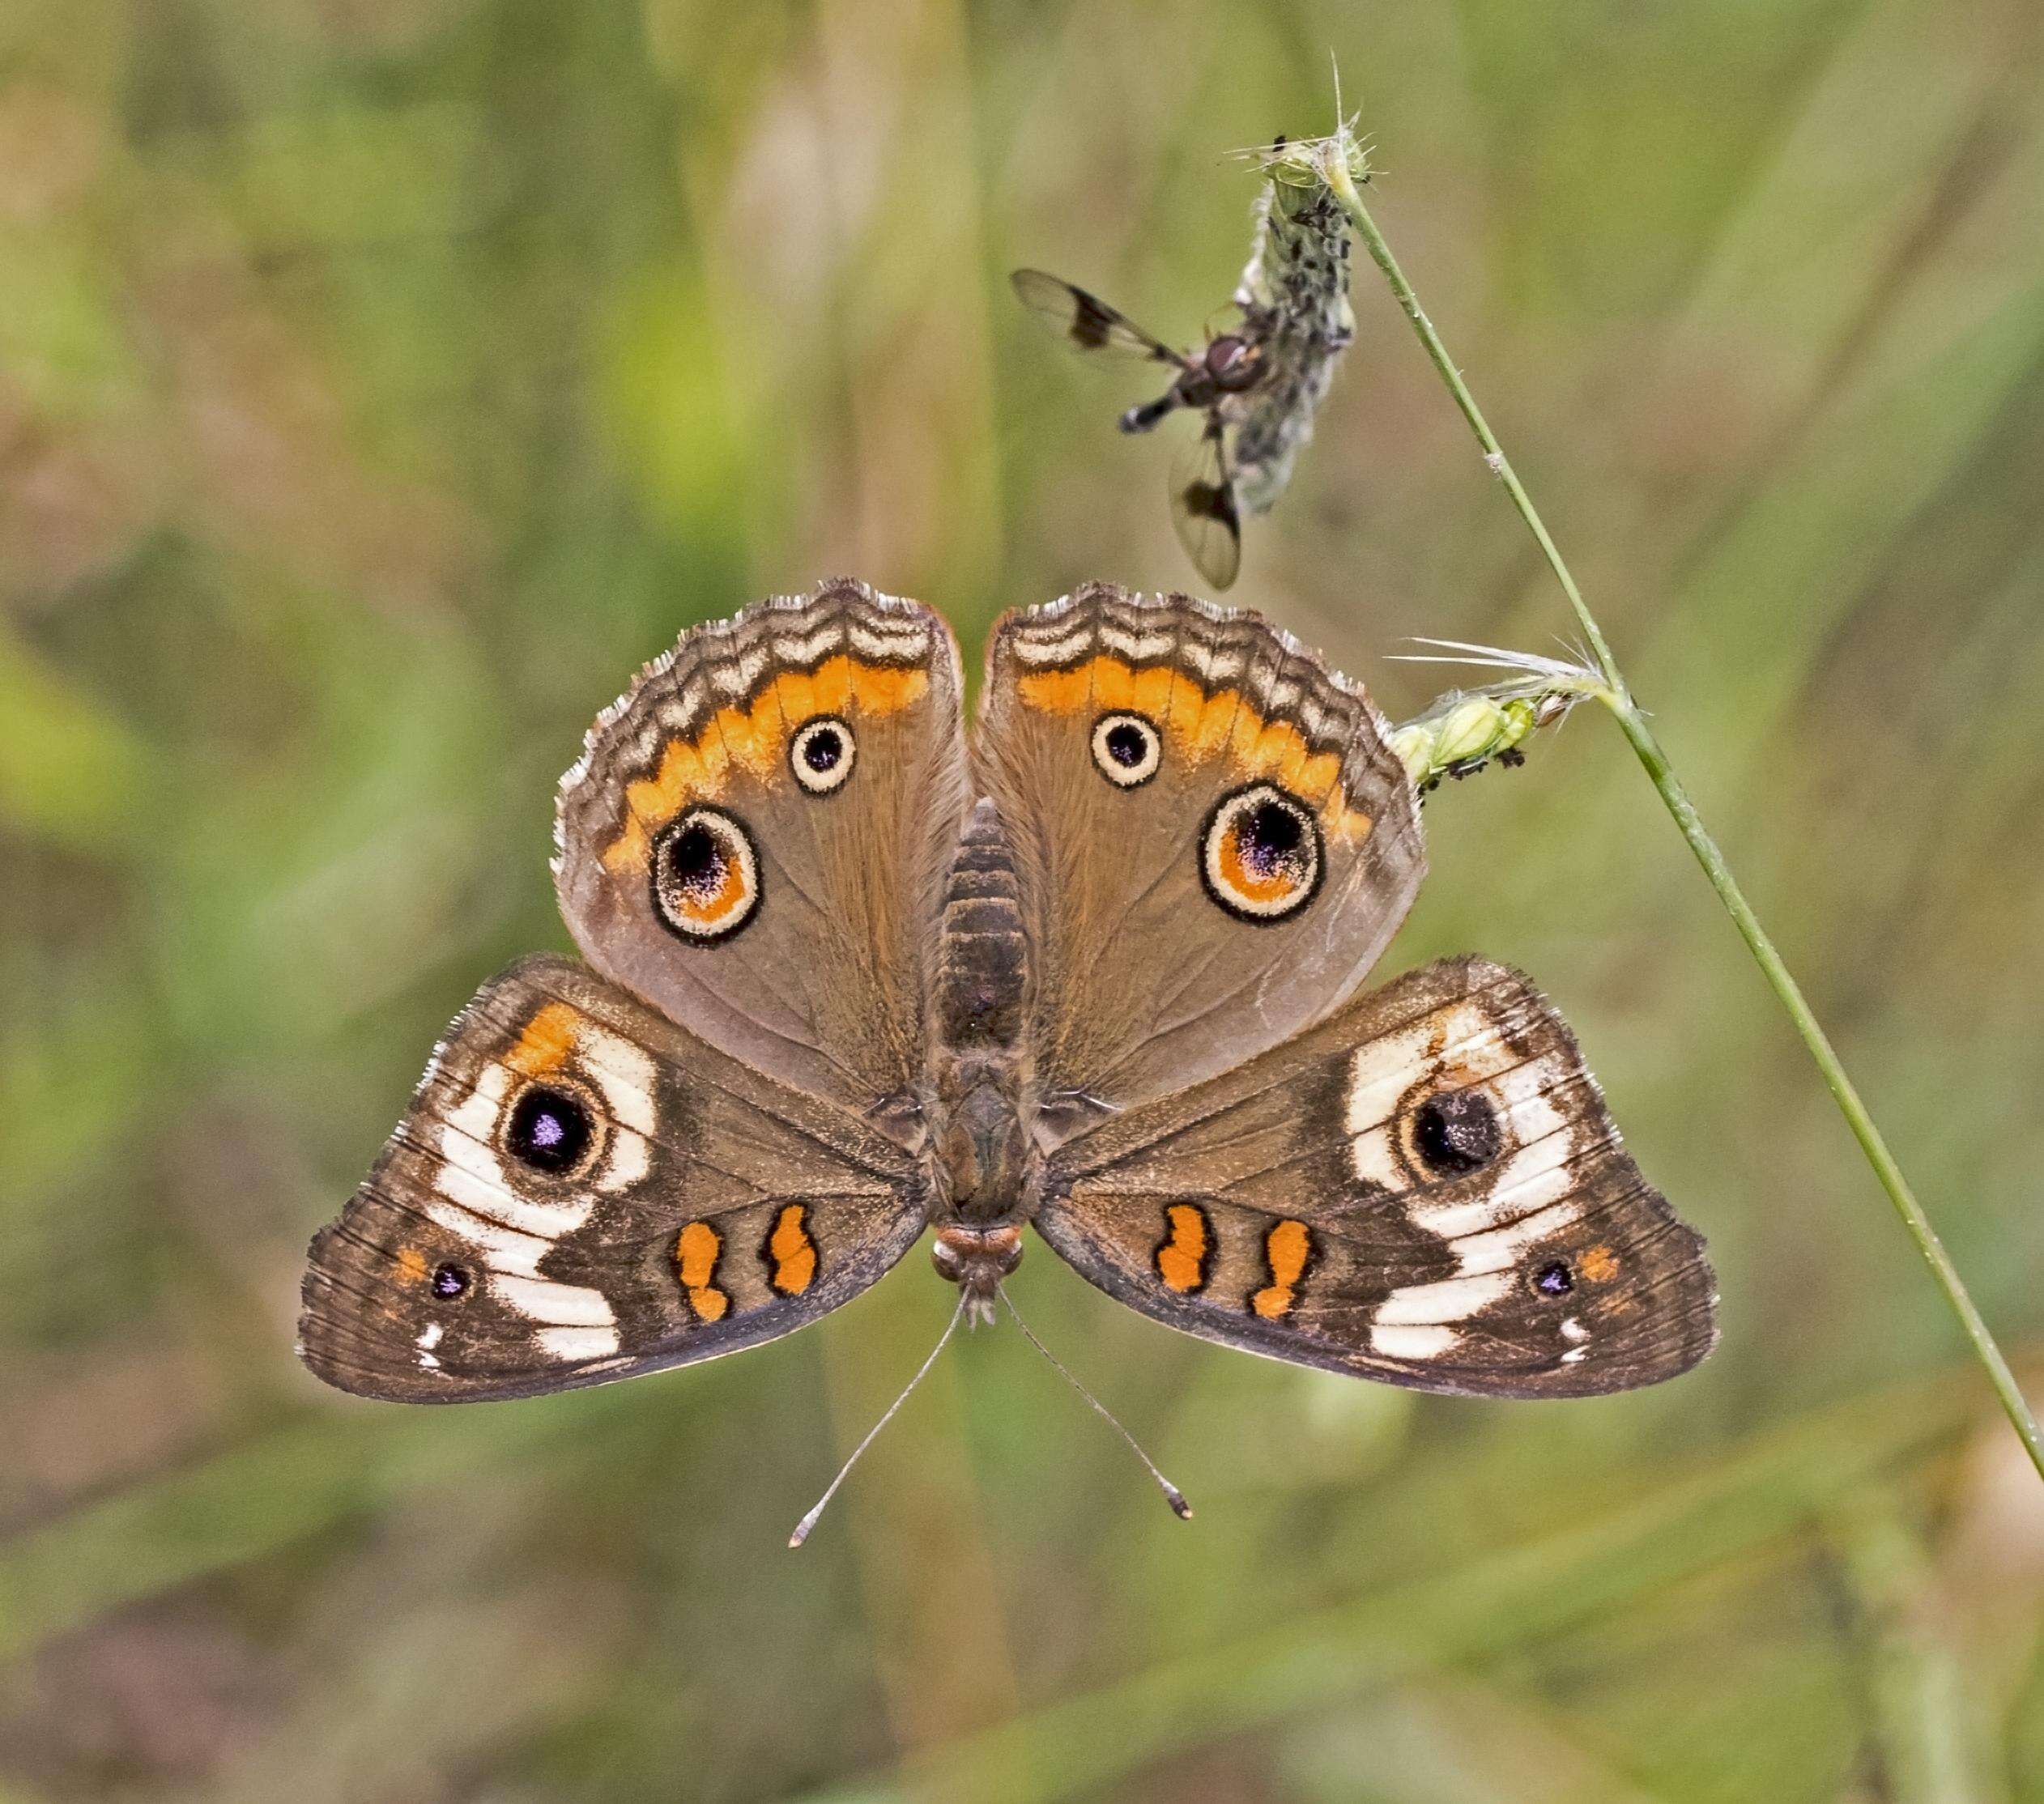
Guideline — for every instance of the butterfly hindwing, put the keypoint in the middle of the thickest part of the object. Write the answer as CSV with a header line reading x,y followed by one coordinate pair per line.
x,y
1426,1189
1213,840
755,837
582,1191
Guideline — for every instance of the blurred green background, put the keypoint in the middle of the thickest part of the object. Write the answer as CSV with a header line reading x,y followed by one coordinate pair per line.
x,y
382,380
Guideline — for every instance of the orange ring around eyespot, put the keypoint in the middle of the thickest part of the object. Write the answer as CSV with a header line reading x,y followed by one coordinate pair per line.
x,y
1265,896
1252,885
720,892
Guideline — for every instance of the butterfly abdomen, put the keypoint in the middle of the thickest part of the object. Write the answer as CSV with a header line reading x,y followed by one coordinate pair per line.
x,y
982,956
982,985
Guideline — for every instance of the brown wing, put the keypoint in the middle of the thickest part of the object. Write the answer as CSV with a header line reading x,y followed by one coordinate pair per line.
x,y
581,1192
755,836
1087,323
1426,1189
1203,510
1212,839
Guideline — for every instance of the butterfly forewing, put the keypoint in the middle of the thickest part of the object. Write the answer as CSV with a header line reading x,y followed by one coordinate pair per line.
x,y
1086,321
582,1191
1426,1189
754,836
1214,839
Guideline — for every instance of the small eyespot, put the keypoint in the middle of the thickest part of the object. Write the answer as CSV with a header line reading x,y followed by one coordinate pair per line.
x,y
1554,1280
706,875
449,1282
822,754
1457,1131
549,1129
1127,748
1259,857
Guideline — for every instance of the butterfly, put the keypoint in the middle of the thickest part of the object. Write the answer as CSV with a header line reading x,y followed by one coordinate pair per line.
x,y
1094,970
1217,381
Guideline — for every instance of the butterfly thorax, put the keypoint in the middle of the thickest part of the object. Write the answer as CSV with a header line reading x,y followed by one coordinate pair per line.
x,y
979,1075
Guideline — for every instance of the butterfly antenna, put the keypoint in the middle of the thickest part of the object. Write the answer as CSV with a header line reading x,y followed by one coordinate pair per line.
x,y
873,1434
1173,1495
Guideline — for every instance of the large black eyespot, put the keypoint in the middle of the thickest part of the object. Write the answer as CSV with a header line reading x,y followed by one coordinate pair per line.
x,y
1127,748
449,1282
822,754
1259,857
548,1129
1457,1130
706,875
1554,1280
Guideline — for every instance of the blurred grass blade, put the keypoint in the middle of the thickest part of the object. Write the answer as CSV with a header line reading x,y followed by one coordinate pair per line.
x,y
1924,1739
1749,1502
249,1504
69,771
1335,168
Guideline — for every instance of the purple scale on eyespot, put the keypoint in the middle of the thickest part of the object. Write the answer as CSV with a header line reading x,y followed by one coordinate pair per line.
x,y
1126,744
1270,837
449,1282
1554,1280
548,1130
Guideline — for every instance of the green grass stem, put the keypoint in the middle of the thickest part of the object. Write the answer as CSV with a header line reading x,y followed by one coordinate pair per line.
x,y
1335,168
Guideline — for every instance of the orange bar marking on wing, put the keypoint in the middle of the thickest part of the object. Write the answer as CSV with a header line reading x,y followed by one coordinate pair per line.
x,y
696,1253
1181,1260
1599,1265
1288,1247
547,1040
791,1251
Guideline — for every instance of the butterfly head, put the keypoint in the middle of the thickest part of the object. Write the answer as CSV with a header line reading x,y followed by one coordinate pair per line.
x,y
976,1260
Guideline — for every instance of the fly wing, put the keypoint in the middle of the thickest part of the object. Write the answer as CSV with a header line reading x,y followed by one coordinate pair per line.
x,y
1203,507
1087,323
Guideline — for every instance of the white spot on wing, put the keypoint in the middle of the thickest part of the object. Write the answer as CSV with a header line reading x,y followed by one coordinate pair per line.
x,y
625,1076
1445,1300
577,1344
1145,646
1215,663
811,650
556,1305
740,676
889,646
1395,1341
501,1249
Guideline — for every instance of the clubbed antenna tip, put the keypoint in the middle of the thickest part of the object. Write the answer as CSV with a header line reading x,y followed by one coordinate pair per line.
x,y
1173,1495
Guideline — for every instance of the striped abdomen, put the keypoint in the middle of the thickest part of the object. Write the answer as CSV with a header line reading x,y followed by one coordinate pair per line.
x,y
982,959
981,984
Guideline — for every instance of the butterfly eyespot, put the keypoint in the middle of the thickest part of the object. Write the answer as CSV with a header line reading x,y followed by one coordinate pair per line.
x,y
1554,1279
1259,857
450,1282
706,875
822,754
1457,1131
1127,748
551,1131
